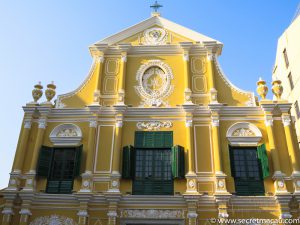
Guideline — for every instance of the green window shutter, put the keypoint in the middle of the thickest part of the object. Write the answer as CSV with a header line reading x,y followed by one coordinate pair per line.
x,y
263,157
44,161
77,165
153,139
128,162
231,161
177,161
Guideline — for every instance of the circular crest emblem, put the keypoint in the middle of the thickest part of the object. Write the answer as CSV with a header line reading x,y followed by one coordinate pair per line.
x,y
155,36
154,83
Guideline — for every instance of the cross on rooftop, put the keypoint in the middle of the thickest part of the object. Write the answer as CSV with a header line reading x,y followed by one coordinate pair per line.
x,y
156,6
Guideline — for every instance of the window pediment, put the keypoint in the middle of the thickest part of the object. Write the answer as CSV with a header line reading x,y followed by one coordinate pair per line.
x,y
66,134
243,134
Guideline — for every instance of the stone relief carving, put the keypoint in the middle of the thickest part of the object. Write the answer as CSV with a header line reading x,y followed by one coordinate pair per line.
x,y
152,213
243,132
155,36
154,125
53,220
66,134
154,83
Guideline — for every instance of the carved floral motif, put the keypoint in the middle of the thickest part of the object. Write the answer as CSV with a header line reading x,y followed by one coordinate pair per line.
x,y
152,213
155,36
243,132
68,132
154,125
53,220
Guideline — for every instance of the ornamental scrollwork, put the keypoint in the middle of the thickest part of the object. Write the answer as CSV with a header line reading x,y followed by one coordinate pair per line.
x,y
154,125
152,213
155,36
243,132
53,219
154,83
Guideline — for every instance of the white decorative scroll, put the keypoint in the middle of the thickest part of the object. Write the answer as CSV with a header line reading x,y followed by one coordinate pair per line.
x,y
154,83
154,125
155,36
243,134
152,213
53,220
66,134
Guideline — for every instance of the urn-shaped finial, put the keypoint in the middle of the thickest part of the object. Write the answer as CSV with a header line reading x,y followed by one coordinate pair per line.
x,y
37,92
50,92
277,88
262,88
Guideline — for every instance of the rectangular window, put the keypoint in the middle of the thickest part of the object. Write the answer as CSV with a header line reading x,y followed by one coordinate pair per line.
x,y
286,59
297,110
246,170
60,166
291,81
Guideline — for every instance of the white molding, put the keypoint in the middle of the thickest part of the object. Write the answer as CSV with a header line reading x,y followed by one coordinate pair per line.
x,y
161,22
250,137
66,134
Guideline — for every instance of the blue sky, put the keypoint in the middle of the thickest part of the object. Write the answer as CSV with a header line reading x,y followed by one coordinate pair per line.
x,y
48,40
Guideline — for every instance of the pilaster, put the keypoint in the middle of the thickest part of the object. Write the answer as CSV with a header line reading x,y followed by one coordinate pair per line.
x,y
42,124
99,60
278,177
186,68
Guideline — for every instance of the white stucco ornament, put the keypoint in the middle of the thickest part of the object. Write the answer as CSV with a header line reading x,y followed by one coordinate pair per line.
x,y
53,220
66,134
154,125
155,36
154,83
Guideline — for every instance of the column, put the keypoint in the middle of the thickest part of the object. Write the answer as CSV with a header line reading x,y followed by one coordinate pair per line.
x,y
25,213
186,75
99,60
7,215
30,176
115,176
82,217
292,148
220,176
210,68
87,176
121,88
192,214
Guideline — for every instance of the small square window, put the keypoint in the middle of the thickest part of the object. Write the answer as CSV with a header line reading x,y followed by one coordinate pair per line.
x,y
291,81
286,59
297,109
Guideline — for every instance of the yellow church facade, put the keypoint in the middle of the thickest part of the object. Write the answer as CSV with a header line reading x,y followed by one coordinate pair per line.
x,y
156,134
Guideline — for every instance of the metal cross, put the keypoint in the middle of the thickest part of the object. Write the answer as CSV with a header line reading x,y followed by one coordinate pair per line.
x,y
156,6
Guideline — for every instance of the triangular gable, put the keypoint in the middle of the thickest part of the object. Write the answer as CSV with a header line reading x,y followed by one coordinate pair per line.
x,y
158,21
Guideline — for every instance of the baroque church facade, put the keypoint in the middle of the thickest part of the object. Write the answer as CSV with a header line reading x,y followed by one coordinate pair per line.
x,y
156,134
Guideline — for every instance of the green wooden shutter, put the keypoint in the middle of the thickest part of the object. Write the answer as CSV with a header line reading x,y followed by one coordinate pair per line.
x,y
44,161
231,161
128,162
263,157
77,166
177,161
153,139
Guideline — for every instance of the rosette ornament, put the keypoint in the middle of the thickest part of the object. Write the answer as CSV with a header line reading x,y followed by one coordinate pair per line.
x,y
262,88
277,88
37,92
50,92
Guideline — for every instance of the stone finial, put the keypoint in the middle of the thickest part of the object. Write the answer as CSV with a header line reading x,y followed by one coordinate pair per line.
x,y
50,92
277,89
262,88
37,92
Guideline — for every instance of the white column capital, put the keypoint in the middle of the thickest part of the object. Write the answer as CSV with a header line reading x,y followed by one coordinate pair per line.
x,y
269,120
210,56
215,121
27,123
7,211
189,123
119,123
186,56
25,211
93,123
99,58
192,215
124,57
286,120
42,123
112,214
83,213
